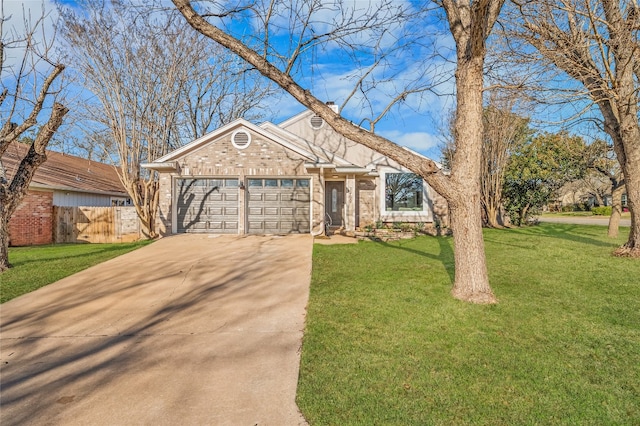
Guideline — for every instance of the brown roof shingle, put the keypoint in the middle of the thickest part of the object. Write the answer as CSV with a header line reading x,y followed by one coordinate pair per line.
x,y
67,172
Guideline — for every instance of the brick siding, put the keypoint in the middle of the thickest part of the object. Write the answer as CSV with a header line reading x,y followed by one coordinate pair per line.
x,y
220,158
31,223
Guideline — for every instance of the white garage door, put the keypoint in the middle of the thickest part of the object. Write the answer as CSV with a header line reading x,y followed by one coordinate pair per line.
x,y
278,206
207,205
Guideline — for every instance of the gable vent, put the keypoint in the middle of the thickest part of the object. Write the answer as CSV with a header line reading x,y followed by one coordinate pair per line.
x,y
241,139
316,121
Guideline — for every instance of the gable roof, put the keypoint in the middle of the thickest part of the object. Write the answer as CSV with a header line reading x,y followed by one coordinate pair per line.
x,y
66,172
302,115
209,137
321,153
308,113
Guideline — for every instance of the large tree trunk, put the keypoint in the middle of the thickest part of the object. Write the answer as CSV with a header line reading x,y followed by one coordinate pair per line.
x,y
471,281
471,278
11,194
616,211
632,180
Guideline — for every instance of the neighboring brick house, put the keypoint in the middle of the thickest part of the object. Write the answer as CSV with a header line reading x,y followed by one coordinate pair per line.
x,y
65,181
295,177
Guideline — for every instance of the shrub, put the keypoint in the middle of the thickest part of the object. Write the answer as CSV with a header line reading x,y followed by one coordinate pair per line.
x,y
601,211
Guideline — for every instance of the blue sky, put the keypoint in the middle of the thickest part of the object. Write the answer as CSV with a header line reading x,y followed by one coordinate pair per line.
x,y
329,70
417,124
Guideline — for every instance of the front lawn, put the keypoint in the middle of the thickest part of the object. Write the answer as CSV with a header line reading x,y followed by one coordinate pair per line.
x,y
385,344
37,266
625,215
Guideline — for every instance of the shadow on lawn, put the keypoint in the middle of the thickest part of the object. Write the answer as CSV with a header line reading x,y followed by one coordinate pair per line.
x,y
445,256
574,233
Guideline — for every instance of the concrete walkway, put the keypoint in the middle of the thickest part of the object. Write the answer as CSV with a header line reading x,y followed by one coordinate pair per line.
x,y
191,330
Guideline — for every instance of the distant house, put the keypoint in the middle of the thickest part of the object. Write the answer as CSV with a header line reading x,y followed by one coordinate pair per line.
x,y
65,181
584,194
299,176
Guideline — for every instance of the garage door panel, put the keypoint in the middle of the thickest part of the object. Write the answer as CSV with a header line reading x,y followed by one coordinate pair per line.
x,y
271,226
281,207
199,226
215,225
256,226
208,205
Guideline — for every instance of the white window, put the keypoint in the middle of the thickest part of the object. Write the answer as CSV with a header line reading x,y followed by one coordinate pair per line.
x,y
403,192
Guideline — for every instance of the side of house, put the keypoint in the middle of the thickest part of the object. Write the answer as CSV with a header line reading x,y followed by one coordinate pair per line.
x,y
64,181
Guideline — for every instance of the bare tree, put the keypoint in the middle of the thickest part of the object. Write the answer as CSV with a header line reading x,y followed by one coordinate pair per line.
x,y
595,42
220,89
155,86
503,128
470,23
30,90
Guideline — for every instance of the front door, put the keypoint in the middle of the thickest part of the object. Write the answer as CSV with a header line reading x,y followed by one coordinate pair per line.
x,y
334,202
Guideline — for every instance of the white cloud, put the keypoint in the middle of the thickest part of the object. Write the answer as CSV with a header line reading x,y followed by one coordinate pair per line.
x,y
422,142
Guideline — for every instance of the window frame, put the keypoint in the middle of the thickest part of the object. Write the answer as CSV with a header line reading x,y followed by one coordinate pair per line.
x,y
423,215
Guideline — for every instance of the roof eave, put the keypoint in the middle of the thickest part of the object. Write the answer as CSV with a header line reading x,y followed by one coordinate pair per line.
x,y
37,185
169,166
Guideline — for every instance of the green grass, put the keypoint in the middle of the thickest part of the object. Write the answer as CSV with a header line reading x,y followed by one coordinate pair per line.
x,y
386,344
37,266
625,215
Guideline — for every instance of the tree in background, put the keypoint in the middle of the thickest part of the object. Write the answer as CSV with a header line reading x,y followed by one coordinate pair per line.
x,y
537,168
370,34
602,162
503,130
595,43
31,91
154,86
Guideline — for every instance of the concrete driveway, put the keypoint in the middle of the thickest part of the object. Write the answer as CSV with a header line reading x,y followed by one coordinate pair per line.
x,y
191,330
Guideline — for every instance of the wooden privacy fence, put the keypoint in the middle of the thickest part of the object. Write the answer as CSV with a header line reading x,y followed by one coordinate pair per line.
x,y
95,225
